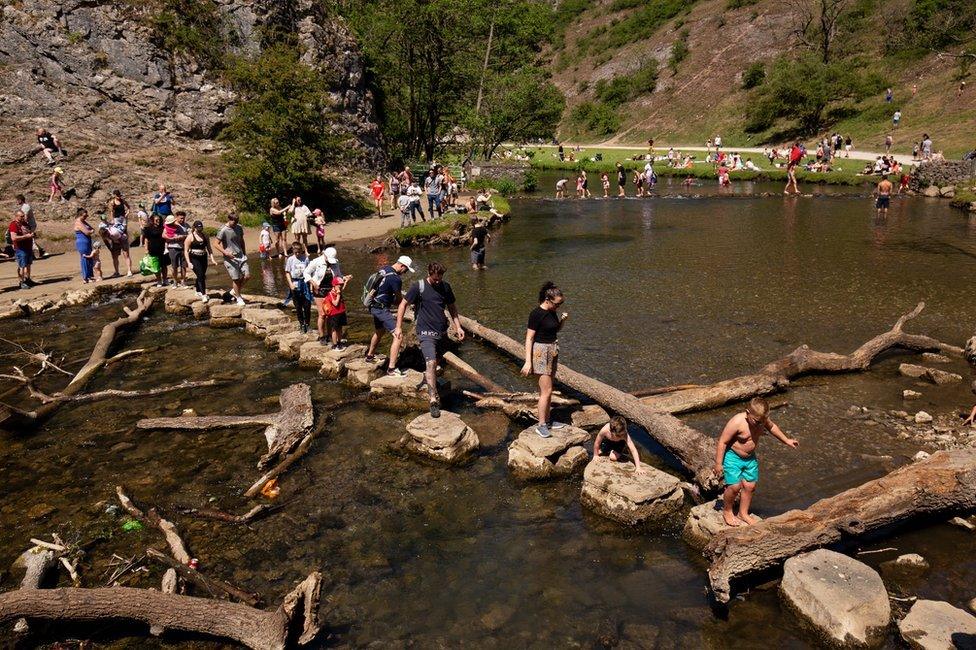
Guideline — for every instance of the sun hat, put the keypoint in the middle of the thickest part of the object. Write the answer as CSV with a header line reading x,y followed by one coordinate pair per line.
x,y
170,220
331,255
58,170
406,261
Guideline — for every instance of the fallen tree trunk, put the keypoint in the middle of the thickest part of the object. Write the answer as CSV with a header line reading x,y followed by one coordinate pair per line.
x,y
285,429
253,628
694,450
776,376
943,484
469,372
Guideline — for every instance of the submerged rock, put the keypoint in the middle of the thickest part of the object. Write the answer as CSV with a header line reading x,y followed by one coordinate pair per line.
x,y
360,372
591,416
843,599
910,394
532,457
447,438
937,625
934,375
704,522
933,357
922,417
615,490
289,344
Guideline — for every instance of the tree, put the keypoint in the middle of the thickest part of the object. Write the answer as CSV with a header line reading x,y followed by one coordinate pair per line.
x,y
815,24
517,107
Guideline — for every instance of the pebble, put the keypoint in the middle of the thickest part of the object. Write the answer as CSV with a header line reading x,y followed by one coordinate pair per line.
x,y
910,394
912,560
922,417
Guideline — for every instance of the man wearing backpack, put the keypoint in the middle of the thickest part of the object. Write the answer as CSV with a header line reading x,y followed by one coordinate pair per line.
x,y
430,297
382,292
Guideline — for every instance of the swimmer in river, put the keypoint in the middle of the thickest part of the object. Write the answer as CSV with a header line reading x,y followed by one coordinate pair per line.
x,y
735,457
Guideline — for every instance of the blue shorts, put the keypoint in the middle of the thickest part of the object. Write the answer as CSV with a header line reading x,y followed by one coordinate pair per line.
x,y
383,318
739,469
24,258
431,347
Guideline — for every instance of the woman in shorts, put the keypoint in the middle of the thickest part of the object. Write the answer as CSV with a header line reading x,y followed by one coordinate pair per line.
x,y
542,351
279,227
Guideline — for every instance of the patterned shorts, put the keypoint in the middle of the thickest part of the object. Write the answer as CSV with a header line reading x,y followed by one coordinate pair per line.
x,y
545,358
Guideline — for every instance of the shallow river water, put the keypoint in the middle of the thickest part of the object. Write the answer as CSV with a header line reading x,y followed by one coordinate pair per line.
x,y
686,287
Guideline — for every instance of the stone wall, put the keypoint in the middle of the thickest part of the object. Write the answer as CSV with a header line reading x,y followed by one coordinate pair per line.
x,y
942,173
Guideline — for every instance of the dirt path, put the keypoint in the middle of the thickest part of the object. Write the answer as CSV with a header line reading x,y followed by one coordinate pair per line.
x,y
661,148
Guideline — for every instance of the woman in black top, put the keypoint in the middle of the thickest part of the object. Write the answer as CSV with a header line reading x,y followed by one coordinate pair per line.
x,y
542,350
152,240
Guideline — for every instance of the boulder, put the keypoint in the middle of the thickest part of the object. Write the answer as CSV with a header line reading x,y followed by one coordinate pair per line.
x,y
704,522
842,599
948,191
226,315
180,300
590,417
447,438
970,351
931,191
533,457
616,491
201,310
264,322
934,375
912,370
403,393
965,524
911,560
937,625
922,418
360,372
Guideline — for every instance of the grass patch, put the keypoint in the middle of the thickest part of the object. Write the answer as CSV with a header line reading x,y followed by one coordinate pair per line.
x,y
963,198
427,229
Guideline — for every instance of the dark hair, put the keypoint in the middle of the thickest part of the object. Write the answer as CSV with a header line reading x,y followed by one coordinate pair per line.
x,y
21,199
436,268
81,211
180,213
618,425
198,224
549,291
117,193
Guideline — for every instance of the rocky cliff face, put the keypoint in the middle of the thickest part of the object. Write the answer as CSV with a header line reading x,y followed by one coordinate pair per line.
x,y
92,64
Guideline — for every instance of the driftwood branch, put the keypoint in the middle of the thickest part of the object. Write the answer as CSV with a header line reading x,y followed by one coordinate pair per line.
x,y
939,486
218,515
253,628
694,450
151,518
213,586
776,376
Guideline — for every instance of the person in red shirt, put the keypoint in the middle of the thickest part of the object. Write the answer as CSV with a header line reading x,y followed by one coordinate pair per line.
x,y
377,187
22,240
796,154
335,312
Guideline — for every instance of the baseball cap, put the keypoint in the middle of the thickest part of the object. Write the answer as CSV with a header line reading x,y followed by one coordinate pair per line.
x,y
406,261
331,255
336,282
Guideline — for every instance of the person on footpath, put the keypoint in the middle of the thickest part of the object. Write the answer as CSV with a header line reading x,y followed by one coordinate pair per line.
x,y
735,458
198,252
277,216
430,297
377,189
542,351
230,243
479,238
301,292
119,230
83,244
26,208
22,239
414,192
384,291
883,193
299,224
433,188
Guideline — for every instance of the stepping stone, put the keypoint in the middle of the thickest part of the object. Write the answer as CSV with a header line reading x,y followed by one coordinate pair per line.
x,y
937,625
531,456
201,310
264,322
934,375
616,491
360,372
334,364
704,522
844,600
402,393
225,316
180,300
289,344
447,438
592,416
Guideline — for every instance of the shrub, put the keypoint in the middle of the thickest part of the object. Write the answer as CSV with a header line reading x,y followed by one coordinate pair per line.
x,y
595,118
679,51
623,88
754,75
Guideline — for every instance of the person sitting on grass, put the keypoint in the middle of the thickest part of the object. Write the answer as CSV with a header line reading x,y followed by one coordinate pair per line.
x,y
614,441
485,204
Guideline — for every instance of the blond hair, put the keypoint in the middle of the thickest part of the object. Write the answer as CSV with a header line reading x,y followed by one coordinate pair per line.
x,y
758,407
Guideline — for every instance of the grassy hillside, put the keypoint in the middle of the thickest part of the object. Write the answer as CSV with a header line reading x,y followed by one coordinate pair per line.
x,y
700,50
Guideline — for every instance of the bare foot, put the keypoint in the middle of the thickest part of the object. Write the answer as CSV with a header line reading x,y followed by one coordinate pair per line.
x,y
730,519
748,519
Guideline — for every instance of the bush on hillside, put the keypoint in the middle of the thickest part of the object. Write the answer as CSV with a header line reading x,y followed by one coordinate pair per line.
x,y
595,118
679,51
623,88
754,75
738,4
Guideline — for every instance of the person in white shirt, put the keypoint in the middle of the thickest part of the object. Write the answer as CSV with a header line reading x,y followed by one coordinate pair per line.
x,y
414,192
299,223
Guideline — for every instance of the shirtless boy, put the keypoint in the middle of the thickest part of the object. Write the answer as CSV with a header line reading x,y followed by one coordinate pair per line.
x,y
735,457
884,196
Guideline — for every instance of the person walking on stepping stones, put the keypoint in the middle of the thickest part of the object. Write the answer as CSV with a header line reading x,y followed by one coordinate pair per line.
x,y
430,297
542,351
735,457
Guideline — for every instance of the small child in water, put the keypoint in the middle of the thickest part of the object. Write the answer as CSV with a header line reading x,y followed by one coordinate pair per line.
x,y
614,441
95,256
264,240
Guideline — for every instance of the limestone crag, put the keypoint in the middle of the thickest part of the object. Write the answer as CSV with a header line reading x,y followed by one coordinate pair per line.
x,y
531,456
844,600
616,491
704,522
936,625
447,438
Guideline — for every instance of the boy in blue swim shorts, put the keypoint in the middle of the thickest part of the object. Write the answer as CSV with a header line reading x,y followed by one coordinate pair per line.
x,y
735,458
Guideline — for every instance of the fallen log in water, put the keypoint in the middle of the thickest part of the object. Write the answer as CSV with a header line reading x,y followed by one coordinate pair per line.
x,y
469,372
213,586
775,376
253,628
151,518
943,484
694,450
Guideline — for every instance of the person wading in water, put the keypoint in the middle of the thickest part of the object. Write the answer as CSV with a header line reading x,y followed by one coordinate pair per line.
x,y
542,351
884,196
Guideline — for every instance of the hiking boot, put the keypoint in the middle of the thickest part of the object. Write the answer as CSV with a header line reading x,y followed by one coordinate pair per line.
x,y
543,431
435,410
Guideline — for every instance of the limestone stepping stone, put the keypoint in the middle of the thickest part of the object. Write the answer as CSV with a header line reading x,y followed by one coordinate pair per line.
x,y
402,393
222,315
360,372
331,363
289,344
264,322
934,375
531,456
447,438
591,416
200,310
704,522
844,600
937,625
614,490
180,300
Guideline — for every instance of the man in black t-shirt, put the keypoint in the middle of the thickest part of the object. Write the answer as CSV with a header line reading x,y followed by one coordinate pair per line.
x,y
479,237
49,144
430,297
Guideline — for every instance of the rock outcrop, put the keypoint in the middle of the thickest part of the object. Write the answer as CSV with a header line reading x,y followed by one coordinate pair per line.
x,y
447,438
844,600
936,625
616,491
532,457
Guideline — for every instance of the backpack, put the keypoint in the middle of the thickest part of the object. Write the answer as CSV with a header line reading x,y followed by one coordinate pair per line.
x,y
371,286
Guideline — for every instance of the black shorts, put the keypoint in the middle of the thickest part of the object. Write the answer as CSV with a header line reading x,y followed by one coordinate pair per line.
x,y
432,347
337,321
883,202
619,446
478,256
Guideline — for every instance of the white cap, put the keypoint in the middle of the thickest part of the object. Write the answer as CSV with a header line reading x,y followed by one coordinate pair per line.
x,y
406,261
331,255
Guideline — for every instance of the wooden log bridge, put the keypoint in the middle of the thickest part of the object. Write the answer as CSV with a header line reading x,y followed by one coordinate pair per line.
x,y
776,376
693,449
939,486
285,429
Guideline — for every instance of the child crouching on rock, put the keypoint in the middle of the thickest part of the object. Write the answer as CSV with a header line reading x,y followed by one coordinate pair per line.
x,y
614,441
